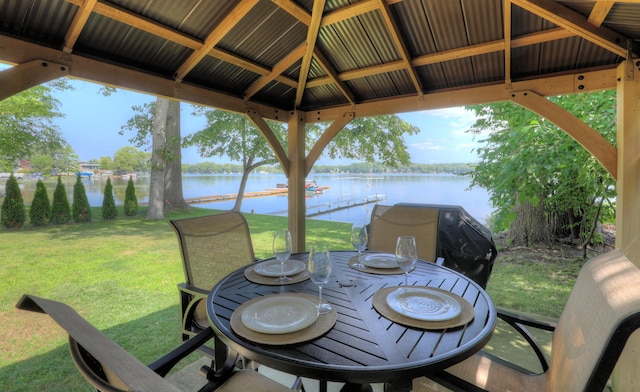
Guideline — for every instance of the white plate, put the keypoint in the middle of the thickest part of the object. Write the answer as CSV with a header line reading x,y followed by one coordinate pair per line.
x,y
423,303
278,315
380,260
272,268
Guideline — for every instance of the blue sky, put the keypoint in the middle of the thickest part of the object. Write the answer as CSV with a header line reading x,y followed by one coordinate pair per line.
x,y
92,123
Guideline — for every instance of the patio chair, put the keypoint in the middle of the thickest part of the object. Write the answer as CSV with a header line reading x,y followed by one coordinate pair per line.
x,y
110,368
211,246
602,311
389,222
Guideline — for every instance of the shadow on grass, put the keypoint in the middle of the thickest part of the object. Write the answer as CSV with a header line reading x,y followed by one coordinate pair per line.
x,y
153,336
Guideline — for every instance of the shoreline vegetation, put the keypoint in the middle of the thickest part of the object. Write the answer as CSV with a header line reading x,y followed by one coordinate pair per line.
x,y
122,274
353,168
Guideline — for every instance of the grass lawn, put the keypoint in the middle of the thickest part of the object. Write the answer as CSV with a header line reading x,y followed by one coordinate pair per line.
x,y
121,275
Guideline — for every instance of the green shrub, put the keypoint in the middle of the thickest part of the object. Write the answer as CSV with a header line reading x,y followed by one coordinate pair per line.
x,y
13,206
40,212
60,210
109,210
130,199
81,208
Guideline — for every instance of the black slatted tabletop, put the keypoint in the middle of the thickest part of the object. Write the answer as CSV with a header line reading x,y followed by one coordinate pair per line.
x,y
363,346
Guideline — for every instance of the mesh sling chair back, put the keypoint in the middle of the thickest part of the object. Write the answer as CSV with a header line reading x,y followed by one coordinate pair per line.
x,y
110,368
211,246
389,222
602,311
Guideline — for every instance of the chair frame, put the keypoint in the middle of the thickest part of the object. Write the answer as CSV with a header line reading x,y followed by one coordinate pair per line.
x,y
94,354
377,232
191,295
599,374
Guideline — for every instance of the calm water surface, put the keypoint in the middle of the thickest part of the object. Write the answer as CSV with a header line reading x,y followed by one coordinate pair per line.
x,y
344,190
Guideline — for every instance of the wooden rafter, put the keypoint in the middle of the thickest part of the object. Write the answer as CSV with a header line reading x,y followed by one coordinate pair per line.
x,y
507,42
250,66
138,22
216,35
276,71
576,23
294,10
599,12
350,11
402,47
77,24
333,76
312,36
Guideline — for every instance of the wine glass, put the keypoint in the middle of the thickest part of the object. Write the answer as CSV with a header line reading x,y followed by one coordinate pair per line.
x,y
319,272
406,255
282,250
359,241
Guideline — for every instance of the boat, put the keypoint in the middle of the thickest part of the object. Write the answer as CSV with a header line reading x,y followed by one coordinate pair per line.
x,y
311,186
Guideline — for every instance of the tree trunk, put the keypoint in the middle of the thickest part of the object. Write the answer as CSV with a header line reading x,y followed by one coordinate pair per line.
x,y
173,196
156,186
243,185
530,225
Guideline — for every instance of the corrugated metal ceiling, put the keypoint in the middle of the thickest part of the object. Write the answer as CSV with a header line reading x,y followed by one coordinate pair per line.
x,y
365,50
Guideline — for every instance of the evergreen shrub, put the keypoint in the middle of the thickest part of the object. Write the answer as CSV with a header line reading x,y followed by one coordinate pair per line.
x,y
40,211
60,210
130,199
13,214
81,208
109,210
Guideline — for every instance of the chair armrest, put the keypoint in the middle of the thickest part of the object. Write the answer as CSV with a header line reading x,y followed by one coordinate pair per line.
x,y
190,298
531,320
163,365
192,290
520,321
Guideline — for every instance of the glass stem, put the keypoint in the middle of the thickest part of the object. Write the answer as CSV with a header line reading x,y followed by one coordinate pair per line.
x,y
282,269
319,296
406,278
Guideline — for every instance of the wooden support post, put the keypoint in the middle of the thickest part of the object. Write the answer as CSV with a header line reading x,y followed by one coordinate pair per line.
x,y
625,375
297,207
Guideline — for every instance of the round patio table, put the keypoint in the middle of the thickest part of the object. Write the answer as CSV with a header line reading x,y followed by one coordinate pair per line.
x,y
363,346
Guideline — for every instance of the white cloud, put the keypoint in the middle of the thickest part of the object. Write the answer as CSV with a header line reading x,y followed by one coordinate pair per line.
x,y
427,145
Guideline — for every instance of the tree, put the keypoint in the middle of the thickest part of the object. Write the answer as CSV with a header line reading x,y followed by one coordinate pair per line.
x,y
156,185
60,211
173,195
129,159
26,122
105,163
159,127
65,159
109,210
13,214
81,208
371,139
40,211
42,163
130,199
537,173
230,134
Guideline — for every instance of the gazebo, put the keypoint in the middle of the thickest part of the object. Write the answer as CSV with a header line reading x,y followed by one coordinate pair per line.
x,y
305,61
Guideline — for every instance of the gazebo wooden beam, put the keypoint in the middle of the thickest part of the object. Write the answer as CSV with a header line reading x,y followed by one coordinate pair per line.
x,y
30,74
591,140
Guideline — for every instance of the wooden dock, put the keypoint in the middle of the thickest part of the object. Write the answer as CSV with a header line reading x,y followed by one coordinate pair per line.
x,y
233,196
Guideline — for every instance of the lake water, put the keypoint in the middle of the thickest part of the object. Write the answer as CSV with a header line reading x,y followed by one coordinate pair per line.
x,y
343,190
